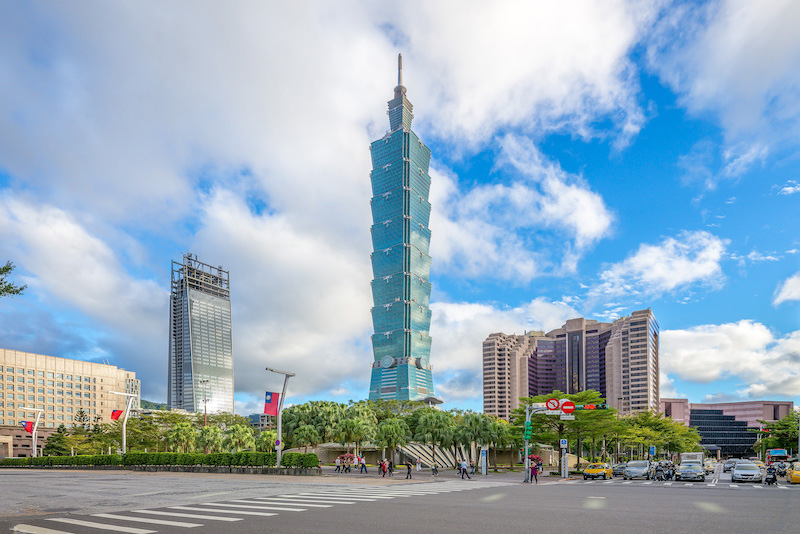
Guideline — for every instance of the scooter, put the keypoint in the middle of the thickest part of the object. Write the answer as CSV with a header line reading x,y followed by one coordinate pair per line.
x,y
781,471
771,476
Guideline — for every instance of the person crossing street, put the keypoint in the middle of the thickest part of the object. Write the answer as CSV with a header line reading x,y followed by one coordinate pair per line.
x,y
464,470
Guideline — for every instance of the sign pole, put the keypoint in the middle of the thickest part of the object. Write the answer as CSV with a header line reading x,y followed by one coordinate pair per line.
x,y
278,445
125,419
527,460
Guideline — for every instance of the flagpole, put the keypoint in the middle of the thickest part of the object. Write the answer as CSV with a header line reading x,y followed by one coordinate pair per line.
x,y
35,428
125,420
278,444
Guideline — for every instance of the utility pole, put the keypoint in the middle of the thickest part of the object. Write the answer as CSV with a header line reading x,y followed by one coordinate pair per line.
x,y
35,428
278,444
130,396
205,400
529,411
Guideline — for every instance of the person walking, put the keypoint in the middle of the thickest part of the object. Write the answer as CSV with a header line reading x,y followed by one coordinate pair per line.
x,y
434,471
338,465
383,468
419,463
534,472
391,468
472,467
408,472
364,465
464,470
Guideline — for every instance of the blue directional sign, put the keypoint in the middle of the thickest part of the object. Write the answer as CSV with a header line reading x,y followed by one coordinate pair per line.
x,y
652,450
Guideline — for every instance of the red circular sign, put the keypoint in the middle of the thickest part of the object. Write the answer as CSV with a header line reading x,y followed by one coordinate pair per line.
x,y
552,404
568,407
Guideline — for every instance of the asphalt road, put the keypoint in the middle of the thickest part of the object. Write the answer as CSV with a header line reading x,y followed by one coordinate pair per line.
x,y
496,503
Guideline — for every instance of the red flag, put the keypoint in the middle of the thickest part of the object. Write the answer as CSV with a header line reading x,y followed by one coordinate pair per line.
x,y
271,403
115,414
28,425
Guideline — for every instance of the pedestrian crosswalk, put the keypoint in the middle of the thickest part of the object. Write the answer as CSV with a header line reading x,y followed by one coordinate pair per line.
x,y
211,514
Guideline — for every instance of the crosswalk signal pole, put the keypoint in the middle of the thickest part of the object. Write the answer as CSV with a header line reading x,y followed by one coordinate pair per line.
x,y
529,411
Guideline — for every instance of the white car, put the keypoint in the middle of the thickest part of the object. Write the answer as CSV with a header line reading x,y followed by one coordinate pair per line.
x,y
746,472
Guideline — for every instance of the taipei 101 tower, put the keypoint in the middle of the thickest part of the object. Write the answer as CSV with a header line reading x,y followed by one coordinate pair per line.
x,y
401,266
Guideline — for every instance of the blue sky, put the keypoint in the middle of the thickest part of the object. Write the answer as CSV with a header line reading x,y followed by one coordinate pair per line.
x,y
589,159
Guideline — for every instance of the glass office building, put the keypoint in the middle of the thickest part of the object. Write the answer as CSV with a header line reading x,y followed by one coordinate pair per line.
x,y
200,345
401,264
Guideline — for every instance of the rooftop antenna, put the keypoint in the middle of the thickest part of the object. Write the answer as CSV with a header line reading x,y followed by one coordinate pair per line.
x,y
399,69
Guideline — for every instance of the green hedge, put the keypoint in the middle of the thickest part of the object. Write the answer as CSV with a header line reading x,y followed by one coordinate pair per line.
x,y
238,459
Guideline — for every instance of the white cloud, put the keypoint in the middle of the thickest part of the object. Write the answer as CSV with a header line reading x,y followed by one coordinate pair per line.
x,y
499,229
666,387
790,188
739,159
788,290
746,350
675,263
739,61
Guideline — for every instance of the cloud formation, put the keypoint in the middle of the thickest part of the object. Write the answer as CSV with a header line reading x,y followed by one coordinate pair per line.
x,y
675,263
787,290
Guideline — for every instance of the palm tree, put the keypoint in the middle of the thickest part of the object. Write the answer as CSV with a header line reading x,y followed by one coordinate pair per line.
x,y
434,427
182,437
392,433
306,435
500,438
210,439
265,442
346,432
240,437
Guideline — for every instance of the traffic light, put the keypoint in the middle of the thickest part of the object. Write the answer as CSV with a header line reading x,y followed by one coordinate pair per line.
x,y
528,429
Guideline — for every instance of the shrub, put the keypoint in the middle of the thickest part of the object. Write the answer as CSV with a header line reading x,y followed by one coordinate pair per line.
x,y
310,460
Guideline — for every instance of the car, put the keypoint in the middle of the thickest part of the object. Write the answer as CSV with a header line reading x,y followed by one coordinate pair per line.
x,y
729,464
598,471
637,469
617,469
759,463
709,466
793,473
690,471
746,472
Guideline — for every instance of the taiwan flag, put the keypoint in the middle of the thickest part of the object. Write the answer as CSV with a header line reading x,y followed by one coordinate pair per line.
x,y
271,403
28,425
115,414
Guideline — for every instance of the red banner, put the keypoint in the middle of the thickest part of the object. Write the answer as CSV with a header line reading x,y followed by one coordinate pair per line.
x,y
271,403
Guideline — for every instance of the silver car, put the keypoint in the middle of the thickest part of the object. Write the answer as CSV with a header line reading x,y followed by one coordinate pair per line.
x,y
637,469
746,472
690,471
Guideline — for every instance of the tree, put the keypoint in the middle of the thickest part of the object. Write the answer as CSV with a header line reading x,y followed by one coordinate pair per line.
x,y
350,431
306,435
392,433
240,437
782,433
210,439
434,427
7,288
81,418
182,437
265,441
56,444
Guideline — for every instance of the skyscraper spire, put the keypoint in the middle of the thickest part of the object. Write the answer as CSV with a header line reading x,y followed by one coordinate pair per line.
x,y
399,90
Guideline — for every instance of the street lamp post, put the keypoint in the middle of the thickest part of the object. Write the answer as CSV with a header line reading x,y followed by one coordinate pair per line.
x,y
529,411
205,401
35,428
286,377
130,396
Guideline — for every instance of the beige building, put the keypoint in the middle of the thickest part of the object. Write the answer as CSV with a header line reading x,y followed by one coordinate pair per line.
x,y
619,359
61,388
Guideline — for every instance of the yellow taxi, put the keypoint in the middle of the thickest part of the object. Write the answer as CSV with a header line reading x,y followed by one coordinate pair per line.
x,y
793,473
759,463
597,471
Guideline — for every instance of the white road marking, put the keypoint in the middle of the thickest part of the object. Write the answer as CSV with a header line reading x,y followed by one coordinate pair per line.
x,y
667,483
710,485
645,483
361,496
281,509
325,497
733,485
263,501
31,529
689,484
189,516
90,524
237,512
148,520
628,482
758,487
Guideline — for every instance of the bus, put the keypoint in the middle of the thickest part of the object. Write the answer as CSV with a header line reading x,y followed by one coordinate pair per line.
x,y
776,455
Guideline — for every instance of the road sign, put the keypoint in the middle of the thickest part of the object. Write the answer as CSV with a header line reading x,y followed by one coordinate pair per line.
x,y
567,417
563,443
568,407
552,404
652,450
277,442
552,412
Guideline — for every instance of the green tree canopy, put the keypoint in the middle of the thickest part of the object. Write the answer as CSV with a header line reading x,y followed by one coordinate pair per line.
x,y
8,288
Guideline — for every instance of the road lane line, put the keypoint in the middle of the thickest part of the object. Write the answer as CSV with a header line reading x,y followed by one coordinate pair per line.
x,y
689,484
31,529
667,483
103,526
733,485
149,520
255,507
628,482
645,483
343,495
758,487
322,497
237,512
710,485
287,503
188,516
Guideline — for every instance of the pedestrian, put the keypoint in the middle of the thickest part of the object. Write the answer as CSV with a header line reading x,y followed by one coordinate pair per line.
x,y
434,471
408,472
391,468
348,463
338,465
534,472
383,468
419,463
472,467
364,465
464,470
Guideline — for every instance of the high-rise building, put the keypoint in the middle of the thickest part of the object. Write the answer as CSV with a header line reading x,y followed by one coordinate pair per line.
x,y
401,265
619,359
70,392
201,344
